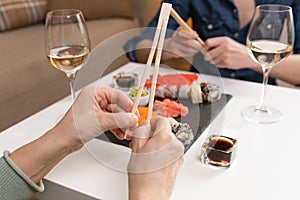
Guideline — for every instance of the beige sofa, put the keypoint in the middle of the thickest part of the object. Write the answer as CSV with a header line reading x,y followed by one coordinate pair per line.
x,y
28,83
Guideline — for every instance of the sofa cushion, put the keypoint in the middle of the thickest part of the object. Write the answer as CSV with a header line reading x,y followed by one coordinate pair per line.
x,y
93,9
18,13
145,10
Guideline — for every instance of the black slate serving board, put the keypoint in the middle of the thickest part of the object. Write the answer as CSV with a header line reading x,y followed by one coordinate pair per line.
x,y
199,118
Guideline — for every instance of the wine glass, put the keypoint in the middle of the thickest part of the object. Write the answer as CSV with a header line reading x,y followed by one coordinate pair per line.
x,y
270,40
67,42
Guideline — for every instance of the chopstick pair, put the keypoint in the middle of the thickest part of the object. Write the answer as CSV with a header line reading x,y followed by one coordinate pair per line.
x,y
157,45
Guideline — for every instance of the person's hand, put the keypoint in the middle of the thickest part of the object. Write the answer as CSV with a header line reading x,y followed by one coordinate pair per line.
x,y
183,43
224,52
156,158
97,110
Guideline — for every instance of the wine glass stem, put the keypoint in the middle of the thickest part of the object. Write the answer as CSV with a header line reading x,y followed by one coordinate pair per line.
x,y
266,72
71,78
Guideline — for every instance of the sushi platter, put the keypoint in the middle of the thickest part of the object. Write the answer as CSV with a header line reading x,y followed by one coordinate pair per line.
x,y
189,104
174,99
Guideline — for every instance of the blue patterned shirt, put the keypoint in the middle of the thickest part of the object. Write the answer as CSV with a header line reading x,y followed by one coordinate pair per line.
x,y
213,18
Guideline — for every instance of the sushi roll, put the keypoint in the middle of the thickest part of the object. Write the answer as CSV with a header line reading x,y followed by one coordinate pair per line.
x,y
182,131
183,92
165,91
160,92
171,91
196,94
210,92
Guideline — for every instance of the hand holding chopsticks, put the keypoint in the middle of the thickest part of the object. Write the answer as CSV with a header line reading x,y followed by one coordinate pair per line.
x,y
182,23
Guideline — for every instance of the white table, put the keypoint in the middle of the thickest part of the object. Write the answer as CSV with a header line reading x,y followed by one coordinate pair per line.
x,y
266,166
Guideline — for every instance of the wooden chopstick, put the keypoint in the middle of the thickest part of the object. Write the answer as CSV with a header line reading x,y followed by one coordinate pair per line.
x,y
148,65
165,14
161,25
182,23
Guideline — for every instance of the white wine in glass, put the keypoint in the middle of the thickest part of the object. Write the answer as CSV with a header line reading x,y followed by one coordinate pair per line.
x,y
67,42
270,40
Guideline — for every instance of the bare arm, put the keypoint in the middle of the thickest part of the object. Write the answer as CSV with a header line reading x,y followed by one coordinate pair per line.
x,y
142,50
288,70
37,158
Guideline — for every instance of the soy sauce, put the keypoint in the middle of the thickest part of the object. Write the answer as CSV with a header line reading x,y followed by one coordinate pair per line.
x,y
218,150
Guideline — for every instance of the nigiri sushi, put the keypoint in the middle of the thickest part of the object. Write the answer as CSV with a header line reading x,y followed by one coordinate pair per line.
x,y
169,108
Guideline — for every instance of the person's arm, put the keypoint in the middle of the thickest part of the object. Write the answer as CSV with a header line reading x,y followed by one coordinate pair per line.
x,y
288,70
90,115
37,158
21,172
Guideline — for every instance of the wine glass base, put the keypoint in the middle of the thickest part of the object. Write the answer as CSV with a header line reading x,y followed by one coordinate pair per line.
x,y
266,115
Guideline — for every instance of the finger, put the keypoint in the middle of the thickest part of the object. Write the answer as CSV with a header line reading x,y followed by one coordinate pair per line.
x,y
162,135
192,46
114,108
113,96
185,48
123,101
129,136
218,56
211,43
214,53
120,134
141,136
220,61
109,121
160,125
183,38
187,33
86,98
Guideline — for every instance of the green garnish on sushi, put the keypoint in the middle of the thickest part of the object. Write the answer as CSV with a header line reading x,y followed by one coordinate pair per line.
x,y
134,91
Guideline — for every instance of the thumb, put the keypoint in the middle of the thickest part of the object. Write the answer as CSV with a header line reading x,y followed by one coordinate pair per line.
x,y
120,120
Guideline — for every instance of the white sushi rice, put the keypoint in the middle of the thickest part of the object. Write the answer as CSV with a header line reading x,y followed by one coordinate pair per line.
x,y
183,92
182,131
